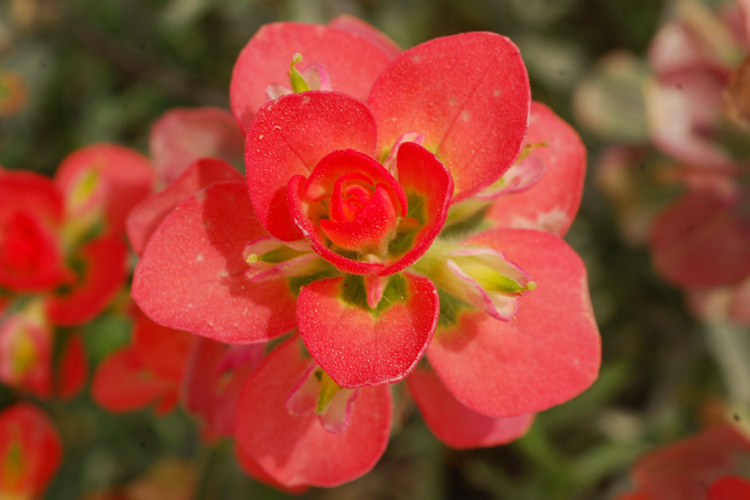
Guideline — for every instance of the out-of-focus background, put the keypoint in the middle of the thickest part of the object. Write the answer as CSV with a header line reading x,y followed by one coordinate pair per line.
x,y
103,71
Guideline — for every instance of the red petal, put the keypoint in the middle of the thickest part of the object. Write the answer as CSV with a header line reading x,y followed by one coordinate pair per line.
x,y
148,214
468,94
26,351
545,356
123,383
125,176
252,469
702,240
356,26
352,63
357,346
430,186
182,136
455,424
729,488
681,471
163,350
104,261
297,450
30,216
552,203
25,428
73,368
211,388
289,137
192,274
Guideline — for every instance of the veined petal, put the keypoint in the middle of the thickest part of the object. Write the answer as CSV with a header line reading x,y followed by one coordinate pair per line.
x,y
352,63
455,424
359,346
552,203
297,450
549,353
468,94
182,136
145,217
192,273
289,137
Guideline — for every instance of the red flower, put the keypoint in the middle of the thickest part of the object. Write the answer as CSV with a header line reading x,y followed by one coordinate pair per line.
x,y
30,452
26,361
62,237
695,469
360,242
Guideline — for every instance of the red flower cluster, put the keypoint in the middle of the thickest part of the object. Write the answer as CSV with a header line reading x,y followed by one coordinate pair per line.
x,y
62,259
395,205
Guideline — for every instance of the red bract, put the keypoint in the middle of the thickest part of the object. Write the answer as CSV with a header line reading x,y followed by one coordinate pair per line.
x,y
145,217
550,201
63,237
30,452
31,216
357,226
148,371
183,136
26,355
265,61
103,182
457,425
696,468
703,239
288,446
213,380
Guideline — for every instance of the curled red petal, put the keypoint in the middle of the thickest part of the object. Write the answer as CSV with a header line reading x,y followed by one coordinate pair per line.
x,y
546,355
358,346
429,187
352,63
145,217
551,204
123,178
184,135
30,451
192,274
468,94
296,450
103,263
457,425
702,240
289,137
